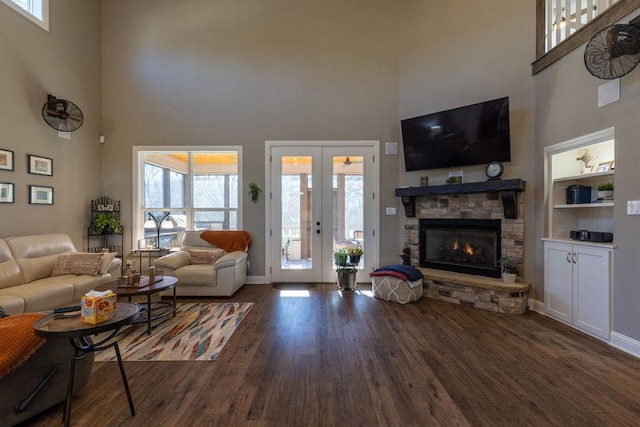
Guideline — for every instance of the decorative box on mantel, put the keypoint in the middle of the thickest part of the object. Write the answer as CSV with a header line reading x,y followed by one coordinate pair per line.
x,y
507,189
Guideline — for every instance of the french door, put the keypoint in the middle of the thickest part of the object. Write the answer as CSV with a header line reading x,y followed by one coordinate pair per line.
x,y
322,199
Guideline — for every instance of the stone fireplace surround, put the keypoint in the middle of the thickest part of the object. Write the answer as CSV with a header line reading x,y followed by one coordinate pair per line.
x,y
475,291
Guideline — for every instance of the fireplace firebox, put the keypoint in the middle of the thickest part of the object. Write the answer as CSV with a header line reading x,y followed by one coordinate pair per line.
x,y
471,246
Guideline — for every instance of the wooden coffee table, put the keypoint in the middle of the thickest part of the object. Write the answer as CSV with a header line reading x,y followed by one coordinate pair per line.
x,y
150,311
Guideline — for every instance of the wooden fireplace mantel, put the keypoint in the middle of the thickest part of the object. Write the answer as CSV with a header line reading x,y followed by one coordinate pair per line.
x,y
507,189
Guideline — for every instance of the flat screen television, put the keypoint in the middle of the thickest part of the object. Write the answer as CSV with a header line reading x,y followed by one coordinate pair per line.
x,y
470,135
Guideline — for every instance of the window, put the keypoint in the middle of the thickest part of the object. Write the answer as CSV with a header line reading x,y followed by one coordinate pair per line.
x,y
35,10
186,190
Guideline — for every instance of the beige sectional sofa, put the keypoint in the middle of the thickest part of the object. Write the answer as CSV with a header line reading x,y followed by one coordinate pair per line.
x,y
213,277
32,278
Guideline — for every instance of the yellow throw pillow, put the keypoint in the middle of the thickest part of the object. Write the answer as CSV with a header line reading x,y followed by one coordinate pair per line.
x,y
205,256
77,263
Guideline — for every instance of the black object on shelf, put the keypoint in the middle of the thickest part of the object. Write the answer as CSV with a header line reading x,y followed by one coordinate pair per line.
x,y
578,194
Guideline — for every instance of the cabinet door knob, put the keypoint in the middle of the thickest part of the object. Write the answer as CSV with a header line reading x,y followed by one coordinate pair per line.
x,y
569,257
573,258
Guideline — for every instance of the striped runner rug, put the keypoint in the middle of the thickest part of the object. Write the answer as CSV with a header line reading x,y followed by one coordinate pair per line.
x,y
199,331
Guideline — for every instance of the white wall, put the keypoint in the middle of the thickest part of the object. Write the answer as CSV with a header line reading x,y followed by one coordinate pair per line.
x,y
66,63
567,107
226,72
456,53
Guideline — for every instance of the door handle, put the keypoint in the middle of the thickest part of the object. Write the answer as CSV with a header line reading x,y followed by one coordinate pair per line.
x,y
568,257
573,258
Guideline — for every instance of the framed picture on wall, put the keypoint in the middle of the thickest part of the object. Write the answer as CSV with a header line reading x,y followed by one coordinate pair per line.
x,y
6,160
39,195
6,192
40,165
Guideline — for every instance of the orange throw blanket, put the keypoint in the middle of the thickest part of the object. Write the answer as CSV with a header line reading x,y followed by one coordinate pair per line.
x,y
17,340
229,241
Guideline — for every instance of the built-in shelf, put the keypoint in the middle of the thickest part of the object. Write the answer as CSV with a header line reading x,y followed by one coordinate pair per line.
x,y
507,189
585,205
585,176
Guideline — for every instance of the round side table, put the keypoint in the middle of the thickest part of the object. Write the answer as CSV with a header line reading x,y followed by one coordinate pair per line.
x,y
66,325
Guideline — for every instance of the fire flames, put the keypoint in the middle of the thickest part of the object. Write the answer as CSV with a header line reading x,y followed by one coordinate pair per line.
x,y
467,248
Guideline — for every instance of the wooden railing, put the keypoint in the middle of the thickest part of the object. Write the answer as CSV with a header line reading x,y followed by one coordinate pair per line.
x,y
554,41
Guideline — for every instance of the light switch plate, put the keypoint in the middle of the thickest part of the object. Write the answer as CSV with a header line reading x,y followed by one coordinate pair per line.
x,y
633,207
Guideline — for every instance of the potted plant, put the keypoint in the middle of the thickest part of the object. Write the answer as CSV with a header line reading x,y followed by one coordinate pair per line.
x,y
605,190
347,277
340,257
509,269
106,223
346,272
355,252
254,192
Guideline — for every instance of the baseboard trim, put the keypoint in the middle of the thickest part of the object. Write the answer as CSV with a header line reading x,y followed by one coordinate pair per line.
x,y
537,306
256,280
624,343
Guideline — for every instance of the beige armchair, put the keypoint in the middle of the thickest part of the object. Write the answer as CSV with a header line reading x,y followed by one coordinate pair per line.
x,y
203,269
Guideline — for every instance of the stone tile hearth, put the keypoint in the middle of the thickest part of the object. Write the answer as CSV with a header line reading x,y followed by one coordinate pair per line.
x,y
471,290
476,291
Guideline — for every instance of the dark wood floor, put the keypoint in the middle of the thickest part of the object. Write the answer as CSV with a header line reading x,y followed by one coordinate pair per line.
x,y
349,359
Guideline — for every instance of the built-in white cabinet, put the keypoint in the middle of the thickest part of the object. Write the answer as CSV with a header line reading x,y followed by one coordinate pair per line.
x,y
577,284
578,275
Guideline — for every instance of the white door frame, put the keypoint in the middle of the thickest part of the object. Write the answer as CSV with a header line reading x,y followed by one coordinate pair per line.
x,y
268,192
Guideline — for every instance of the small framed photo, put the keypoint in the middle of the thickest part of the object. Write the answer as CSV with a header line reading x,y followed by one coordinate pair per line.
x,y
6,192
40,165
39,195
588,169
604,166
6,160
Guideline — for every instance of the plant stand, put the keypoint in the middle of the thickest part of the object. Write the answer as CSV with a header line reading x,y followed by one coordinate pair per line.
x,y
347,277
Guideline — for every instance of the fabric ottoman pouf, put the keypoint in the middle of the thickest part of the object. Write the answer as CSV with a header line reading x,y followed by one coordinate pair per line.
x,y
391,288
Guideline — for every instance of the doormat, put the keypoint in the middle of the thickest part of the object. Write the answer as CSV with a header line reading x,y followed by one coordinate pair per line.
x,y
199,332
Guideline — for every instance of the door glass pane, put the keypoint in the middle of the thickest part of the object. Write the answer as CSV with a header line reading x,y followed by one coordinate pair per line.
x,y
296,212
348,204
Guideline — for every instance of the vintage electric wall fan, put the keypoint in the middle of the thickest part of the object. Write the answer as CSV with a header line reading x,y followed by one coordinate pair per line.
x,y
61,114
613,52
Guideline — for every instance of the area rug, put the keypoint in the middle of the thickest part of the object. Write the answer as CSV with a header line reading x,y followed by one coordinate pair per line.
x,y
198,332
